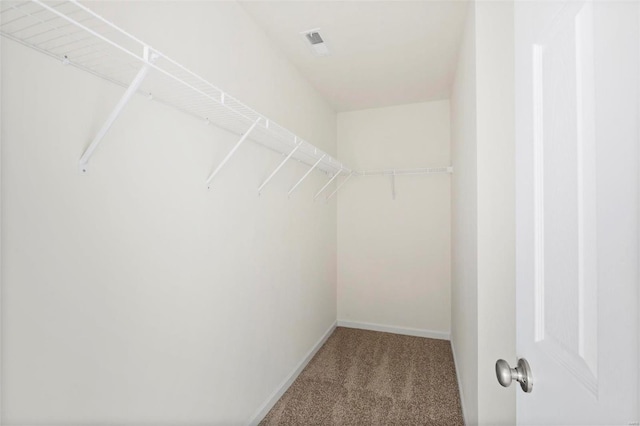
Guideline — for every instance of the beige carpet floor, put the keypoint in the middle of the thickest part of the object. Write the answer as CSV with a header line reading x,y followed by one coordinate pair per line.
x,y
362,377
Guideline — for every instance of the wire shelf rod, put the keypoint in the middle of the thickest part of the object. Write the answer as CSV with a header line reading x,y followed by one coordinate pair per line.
x,y
24,15
47,23
102,19
64,47
40,34
38,22
87,29
401,172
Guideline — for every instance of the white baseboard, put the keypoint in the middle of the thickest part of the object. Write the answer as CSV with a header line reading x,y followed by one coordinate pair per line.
x,y
277,394
455,362
396,330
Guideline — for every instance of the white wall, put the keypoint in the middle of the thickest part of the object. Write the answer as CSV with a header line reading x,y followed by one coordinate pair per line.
x,y
134,294
394,255
483,319
496,207
464,208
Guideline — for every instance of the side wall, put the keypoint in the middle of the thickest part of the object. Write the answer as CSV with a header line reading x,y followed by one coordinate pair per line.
x,y
464,264
134,294
394,255
496,207
483,197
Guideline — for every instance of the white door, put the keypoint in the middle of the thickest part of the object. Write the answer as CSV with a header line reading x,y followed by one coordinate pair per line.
x,y
577,212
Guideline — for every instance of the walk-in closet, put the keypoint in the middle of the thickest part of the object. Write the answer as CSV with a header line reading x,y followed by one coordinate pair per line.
x,y
319,212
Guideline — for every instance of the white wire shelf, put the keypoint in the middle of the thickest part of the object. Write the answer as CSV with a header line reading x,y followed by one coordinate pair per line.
x,y
392,173
404,172
75,35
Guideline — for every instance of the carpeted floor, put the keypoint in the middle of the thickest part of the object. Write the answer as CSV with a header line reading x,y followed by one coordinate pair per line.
x,y
364,377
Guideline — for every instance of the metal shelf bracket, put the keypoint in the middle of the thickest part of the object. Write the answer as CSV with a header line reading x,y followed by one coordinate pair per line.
x,y
339,186
149,58
298,145
305,175
326,185
233,151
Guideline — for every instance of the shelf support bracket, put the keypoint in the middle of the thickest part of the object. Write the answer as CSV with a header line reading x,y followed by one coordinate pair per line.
x,y
124,100
233,151
339,186
305,175
298,145
327,184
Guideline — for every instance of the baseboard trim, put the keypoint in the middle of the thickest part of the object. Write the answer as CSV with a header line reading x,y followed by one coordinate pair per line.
x,y
396,330
277,394
455,362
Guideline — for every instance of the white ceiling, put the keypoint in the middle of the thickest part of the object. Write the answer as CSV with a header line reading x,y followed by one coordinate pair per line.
x,y
382,52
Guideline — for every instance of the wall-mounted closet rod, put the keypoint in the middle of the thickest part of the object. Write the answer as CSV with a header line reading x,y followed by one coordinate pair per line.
x,y
340,186
401,172
384,172
305,175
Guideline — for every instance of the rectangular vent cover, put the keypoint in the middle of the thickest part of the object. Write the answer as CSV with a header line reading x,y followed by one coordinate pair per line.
x,y
314,38
317,43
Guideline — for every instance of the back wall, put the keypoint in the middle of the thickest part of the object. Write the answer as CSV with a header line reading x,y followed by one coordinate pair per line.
x,y
394,263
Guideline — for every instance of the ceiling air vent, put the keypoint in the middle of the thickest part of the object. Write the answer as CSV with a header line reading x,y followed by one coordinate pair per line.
x,y
317,44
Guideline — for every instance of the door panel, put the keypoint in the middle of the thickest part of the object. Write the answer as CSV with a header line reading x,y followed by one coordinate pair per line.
x,y
577,212
565,275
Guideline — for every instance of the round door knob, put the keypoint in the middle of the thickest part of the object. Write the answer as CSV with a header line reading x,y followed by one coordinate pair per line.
x,y
503,372
522,374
